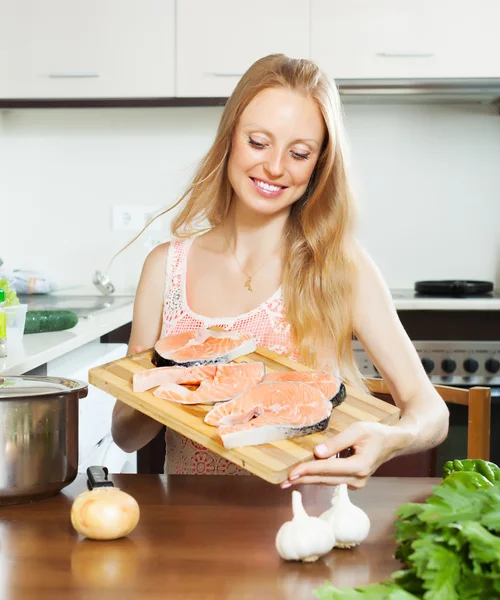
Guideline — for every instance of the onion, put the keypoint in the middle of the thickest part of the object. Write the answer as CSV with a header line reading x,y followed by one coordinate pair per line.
x,y
104,513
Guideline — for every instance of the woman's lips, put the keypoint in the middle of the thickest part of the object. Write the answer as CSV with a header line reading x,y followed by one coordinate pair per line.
x,y
267,190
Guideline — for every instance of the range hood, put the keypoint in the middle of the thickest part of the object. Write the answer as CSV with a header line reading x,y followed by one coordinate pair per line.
x,y
485,91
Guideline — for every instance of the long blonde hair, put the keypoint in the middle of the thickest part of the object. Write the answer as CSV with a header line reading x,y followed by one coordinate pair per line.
x,y
319,273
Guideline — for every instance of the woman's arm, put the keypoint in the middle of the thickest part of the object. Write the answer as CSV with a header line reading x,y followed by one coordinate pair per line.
x,y
424,415
130,428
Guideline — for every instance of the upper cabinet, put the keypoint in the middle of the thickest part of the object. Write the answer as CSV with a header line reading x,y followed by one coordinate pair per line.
x,y
218,40
368,39
87,48
167,49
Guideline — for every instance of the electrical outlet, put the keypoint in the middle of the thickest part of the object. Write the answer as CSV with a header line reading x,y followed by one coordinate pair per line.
x,y
133,218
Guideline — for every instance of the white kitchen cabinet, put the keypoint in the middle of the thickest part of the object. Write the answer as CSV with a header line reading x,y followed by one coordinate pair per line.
x,y
95,442
356,39
87,48
218,40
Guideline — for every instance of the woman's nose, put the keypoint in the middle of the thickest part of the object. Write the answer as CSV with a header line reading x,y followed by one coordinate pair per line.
x,y
274,163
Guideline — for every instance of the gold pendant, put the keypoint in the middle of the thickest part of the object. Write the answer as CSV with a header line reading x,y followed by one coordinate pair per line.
x,y
248,284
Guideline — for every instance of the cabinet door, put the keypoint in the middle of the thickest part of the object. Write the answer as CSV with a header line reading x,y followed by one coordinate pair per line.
x,y
218,40
86,48
368,39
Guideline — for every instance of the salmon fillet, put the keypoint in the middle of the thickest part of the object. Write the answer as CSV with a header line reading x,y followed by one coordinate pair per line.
x,y
229,381
204,347
171,343
326,382
269,412
150,378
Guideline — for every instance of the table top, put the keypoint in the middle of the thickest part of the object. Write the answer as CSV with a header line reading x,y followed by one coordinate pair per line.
x,y
199,537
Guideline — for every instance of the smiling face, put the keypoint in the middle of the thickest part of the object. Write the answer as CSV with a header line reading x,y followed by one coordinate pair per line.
x,y
275,147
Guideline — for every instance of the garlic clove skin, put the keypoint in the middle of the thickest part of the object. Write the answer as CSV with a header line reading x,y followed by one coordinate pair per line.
x,y
350,524
303,538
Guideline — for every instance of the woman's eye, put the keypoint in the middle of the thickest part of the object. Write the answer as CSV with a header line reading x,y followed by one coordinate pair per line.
x,y
299,156
255,144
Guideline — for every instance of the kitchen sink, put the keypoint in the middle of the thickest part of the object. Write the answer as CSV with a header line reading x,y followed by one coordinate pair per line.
x,y
84,306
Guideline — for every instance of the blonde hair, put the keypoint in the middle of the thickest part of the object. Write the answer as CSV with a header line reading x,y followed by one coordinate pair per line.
x,y
319,273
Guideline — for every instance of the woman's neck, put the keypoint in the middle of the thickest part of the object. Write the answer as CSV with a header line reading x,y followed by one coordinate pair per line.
x,y
251,234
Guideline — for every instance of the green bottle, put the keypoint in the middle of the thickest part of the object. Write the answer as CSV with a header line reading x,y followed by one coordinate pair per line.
x,y
3,326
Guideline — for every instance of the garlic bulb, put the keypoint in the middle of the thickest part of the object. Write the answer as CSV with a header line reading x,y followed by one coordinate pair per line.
x,y
350,524
303,538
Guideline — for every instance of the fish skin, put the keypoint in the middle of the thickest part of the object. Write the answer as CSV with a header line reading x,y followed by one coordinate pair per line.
x,y
246,344
244,421
269,433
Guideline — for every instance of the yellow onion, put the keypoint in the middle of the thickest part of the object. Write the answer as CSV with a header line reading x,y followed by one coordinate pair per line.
x,y
105,513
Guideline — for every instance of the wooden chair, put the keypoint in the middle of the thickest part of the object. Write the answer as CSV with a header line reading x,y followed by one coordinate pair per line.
x,y
478,402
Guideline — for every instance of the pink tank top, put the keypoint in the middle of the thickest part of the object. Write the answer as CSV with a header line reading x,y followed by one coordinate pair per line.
x,y
267,323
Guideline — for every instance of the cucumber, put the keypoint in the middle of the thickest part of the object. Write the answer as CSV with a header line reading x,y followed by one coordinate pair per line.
x,y
40,321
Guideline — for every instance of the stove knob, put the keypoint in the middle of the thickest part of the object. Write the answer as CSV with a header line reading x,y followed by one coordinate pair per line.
x,y
448,365
471,365
428,364
492,365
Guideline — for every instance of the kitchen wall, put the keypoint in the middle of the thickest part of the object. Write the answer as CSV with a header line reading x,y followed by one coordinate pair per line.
x,y
427,179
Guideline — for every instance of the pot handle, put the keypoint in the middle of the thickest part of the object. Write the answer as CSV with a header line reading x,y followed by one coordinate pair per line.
x,y
98,477
83,393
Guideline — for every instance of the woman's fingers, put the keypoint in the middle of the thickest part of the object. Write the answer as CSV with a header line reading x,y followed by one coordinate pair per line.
x,y
353,483
334,467
339,442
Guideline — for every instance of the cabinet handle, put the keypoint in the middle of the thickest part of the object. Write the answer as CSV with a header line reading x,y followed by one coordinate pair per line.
x,y
73,75
406,54
226,74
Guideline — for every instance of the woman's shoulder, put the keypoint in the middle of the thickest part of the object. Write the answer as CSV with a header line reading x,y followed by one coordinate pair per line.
x,y
158,254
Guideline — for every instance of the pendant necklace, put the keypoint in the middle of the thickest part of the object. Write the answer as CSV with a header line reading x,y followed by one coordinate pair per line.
x,y
248,282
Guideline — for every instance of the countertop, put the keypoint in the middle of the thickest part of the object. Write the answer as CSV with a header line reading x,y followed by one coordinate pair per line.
x,y
39,348
198,538
407,299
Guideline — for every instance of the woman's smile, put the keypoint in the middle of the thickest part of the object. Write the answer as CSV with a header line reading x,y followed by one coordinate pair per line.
x,y
267,189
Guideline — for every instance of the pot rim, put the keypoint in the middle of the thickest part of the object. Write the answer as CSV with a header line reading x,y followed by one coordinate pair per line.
x,y
66,386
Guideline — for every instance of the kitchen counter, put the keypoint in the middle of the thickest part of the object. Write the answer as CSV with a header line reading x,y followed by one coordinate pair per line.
x,y
406,299
198,538
39,348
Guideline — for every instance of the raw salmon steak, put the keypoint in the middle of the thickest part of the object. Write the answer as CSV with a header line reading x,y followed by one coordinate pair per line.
x,y
202,347
229,381
270,412
150,378
329,384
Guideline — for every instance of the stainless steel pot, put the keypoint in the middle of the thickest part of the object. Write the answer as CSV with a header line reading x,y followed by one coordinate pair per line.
x,y
38,436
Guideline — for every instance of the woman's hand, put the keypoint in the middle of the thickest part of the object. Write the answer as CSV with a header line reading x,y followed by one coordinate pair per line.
x,y
372,444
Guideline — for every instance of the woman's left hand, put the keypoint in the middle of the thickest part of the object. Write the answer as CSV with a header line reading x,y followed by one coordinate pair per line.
x,y
372,444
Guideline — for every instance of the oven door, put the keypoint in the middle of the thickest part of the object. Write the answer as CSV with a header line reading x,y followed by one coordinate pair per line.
x,y
460,348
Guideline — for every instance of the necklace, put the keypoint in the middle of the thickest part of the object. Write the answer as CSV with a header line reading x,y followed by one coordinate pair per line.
x,y
248,282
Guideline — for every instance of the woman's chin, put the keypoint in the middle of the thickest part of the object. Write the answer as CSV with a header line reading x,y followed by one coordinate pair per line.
x,y
269,207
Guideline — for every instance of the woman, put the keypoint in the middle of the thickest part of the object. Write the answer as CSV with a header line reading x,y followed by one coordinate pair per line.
x,y
277,256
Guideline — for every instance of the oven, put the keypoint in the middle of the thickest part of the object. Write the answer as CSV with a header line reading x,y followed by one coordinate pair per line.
x,y
458,341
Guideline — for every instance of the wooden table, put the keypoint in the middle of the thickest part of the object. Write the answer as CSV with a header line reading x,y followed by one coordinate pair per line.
x,y
199,538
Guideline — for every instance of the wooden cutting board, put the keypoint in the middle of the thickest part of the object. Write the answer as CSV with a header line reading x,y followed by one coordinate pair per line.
x,y
272,461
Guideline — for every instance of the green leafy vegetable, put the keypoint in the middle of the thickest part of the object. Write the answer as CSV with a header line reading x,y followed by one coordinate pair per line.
x,y
449,544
